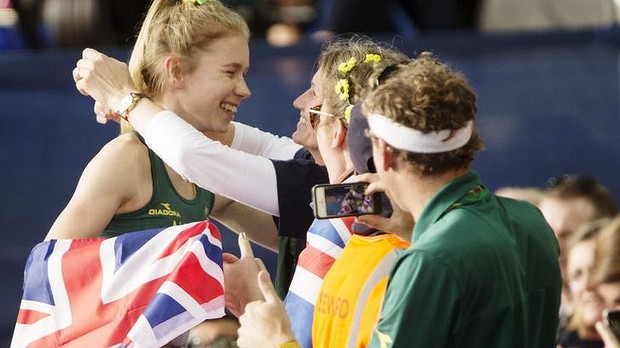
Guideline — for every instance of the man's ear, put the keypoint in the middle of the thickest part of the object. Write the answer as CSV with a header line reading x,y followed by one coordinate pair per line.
x,y
387,155
339,138
174,71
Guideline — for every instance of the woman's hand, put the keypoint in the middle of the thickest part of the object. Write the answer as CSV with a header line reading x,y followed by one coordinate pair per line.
x,y
240,277
265,323
105,79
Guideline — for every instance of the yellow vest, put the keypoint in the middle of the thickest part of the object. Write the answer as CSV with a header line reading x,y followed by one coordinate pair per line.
x,y
349,303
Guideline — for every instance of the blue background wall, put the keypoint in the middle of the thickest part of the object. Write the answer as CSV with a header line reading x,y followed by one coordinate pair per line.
x,y
548,104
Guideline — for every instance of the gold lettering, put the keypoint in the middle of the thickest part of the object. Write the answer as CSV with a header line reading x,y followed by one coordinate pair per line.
x,y
333,306
164,212
344,308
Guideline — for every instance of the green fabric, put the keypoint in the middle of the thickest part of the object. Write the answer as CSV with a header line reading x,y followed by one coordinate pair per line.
x,y
482,271
288,253
166,207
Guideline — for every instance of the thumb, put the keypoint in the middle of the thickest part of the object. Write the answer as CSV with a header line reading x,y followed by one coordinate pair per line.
x,y
371,220
266,288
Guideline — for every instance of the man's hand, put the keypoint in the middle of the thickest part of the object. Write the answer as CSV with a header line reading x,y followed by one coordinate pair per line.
x,y
400,223
265,323
239,277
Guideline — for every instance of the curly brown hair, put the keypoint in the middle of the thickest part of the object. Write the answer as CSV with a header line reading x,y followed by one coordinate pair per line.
x,y
426,95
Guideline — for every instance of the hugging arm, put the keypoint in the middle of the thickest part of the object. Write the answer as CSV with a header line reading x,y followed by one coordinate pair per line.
x,y
243,177
255,141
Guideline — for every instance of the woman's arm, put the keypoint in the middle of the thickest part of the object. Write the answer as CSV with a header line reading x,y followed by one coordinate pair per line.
x,y
246,178
108,186
257,225
255,141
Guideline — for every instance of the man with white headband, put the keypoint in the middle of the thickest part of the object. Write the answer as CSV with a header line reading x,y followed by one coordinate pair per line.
x,y
482,270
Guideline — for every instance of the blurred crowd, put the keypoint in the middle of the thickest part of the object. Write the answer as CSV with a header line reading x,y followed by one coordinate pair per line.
x,y
77,23
584,217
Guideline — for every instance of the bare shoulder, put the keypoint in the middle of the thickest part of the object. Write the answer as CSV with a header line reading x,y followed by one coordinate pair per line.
x,y
128,144
124,155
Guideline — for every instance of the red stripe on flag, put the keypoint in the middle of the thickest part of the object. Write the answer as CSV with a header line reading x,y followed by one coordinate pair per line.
x,y
184,236
26,316
348,221
315,261
190,276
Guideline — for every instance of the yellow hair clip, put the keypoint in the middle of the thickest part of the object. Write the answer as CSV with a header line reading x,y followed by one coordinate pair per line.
x,y
344,68
342,86
342,89
347,113
198,2
370,57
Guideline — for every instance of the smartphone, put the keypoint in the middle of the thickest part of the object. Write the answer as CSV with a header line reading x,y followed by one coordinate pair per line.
x,y
612,320
340,200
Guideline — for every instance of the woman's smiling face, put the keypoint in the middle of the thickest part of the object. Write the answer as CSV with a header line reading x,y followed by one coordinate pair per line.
x,y
209,95
304,135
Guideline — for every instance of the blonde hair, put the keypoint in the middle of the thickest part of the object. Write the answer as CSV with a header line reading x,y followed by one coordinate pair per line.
x,y
181,28
607,269
587,232
359,78
426,95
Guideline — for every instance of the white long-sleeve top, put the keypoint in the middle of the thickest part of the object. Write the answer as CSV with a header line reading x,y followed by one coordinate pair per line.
x,y
242,172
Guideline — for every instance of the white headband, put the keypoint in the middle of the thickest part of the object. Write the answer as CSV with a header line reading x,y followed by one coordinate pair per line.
x,y
413,140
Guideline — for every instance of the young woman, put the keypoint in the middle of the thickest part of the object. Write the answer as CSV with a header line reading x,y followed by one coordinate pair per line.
x,y
182,47
190,57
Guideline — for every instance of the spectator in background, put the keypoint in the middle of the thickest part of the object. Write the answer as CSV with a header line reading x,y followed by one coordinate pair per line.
x,y
568,202
607,276
532,195
579,331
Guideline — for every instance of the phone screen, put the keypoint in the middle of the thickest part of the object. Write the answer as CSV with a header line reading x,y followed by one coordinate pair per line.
x,y
612,319
341,200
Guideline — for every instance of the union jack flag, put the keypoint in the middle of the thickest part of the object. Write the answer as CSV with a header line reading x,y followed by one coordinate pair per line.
x,y
326,240
141,289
